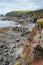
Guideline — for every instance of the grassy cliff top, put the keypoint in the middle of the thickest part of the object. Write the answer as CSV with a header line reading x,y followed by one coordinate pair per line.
x,y
26,13
19,12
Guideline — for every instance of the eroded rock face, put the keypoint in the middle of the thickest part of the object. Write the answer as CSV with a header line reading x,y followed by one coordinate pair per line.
x,y
9,47
7,55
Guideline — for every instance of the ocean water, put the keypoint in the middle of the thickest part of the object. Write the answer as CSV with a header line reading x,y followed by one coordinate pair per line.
x,y
7,23
4,24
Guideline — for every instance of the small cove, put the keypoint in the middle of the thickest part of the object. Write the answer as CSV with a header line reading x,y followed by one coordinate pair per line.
x,y
6,23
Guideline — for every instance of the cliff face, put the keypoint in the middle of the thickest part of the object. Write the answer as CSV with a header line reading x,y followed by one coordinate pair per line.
x,y
36,13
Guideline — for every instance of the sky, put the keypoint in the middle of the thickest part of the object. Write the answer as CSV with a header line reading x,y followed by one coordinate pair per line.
x,y
11,5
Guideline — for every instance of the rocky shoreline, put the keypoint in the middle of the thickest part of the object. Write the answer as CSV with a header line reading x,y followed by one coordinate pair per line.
x,y
10,45
12,42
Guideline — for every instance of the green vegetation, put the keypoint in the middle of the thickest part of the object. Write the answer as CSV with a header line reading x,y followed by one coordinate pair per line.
x,y
26,13
39,23
18,13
